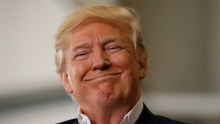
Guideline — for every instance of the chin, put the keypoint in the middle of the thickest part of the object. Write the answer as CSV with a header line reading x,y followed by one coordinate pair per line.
x,y
107,97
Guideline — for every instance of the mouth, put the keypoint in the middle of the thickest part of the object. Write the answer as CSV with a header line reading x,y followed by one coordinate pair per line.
x,y
102,76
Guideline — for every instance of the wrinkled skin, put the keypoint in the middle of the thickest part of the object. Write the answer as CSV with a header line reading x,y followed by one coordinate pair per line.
x,y
102,68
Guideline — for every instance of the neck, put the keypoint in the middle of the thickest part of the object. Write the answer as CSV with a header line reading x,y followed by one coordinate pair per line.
x,y
111,114
108,116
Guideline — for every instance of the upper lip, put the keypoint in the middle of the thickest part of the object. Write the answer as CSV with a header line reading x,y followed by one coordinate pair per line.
x,y
101,75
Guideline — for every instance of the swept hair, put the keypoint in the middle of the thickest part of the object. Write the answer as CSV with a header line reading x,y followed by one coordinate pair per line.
x,y
125,18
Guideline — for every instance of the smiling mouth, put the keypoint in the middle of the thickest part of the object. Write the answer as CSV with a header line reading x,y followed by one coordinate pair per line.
x,y
102,76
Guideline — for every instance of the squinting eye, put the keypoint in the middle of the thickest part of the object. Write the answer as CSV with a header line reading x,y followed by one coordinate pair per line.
x,y
113,49
81,56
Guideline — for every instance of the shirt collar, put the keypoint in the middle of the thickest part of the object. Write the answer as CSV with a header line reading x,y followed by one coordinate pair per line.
x,y
130,118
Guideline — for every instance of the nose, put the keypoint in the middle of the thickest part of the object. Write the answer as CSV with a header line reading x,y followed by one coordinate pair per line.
x,y
100,61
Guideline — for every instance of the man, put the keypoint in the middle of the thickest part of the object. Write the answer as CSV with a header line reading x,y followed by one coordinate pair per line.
x,y
101,61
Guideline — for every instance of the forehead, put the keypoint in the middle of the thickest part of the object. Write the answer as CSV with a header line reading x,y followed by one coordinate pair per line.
x,y
96,31
94,28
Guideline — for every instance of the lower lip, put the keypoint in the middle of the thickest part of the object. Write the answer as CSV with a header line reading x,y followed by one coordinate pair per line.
x,y
105,78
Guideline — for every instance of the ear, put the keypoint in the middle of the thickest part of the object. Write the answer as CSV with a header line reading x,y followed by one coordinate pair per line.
x,y
66,82
143,66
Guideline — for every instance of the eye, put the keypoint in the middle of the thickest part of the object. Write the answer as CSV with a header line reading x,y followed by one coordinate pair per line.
x,y
113,48
81,55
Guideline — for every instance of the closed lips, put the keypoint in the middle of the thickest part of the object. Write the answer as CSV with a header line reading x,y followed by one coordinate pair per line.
x,y
101,76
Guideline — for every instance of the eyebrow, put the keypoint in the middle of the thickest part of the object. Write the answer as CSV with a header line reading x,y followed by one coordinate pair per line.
x,y
105,40
110,39
81,45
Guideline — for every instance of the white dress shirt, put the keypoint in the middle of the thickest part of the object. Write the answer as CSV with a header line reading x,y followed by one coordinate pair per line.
x,y
130,118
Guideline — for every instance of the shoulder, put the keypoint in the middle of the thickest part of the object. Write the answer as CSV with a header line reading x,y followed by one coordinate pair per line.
x,y
72,121
148,117
165,120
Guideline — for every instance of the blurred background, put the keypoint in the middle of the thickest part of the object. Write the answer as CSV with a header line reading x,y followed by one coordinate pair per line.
x,y
182,38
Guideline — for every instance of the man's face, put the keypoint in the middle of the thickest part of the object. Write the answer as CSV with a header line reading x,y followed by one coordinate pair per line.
x,y
101,67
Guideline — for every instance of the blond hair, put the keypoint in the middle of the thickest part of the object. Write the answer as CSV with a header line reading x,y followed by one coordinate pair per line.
x,y
123,17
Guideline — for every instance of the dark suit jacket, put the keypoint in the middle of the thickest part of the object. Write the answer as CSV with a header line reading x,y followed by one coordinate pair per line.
x,y
146,117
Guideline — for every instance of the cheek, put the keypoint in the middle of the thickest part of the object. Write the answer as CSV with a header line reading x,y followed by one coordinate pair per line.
x,y
77,71
129,66
125,61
